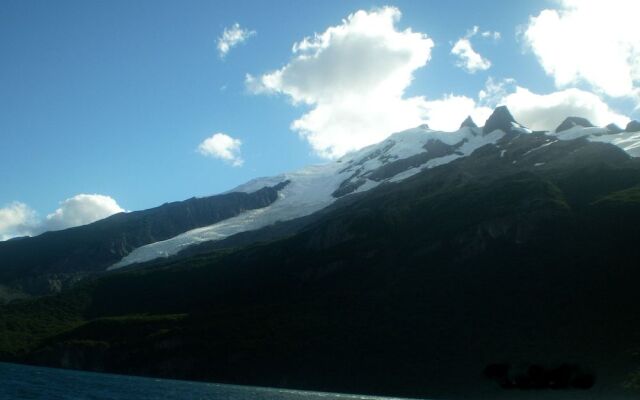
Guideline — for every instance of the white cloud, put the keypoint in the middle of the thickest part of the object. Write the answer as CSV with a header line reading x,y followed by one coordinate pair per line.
x,y
536,111
495,90
491,34
353,75
79,210
232,37
591,41
447,113
469,59
224,147
16,219
546,112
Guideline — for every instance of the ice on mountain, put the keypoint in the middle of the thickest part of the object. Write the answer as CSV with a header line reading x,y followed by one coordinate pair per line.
x,y
312,188
627,141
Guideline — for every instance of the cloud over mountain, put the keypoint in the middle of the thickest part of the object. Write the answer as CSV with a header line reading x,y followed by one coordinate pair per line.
x,y
80,209
18,219
353,77
545,112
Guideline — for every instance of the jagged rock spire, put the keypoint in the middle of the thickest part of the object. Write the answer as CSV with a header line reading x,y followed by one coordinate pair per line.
x,y
501,119
468,122
570,122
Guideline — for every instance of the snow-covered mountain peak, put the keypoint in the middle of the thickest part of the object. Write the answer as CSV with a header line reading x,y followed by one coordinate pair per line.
x,y
312,188
396,158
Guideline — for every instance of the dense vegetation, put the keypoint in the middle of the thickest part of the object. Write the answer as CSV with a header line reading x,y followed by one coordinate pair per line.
x,y
414,288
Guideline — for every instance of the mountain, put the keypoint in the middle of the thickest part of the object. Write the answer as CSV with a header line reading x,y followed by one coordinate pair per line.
x,y
466,264
501,119
65,257
395,159
468,123
124,239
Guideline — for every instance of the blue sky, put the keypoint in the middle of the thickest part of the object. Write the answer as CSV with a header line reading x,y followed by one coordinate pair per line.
x,y
115,98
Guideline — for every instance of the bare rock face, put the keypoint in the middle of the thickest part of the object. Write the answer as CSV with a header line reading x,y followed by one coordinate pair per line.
x,y
501,118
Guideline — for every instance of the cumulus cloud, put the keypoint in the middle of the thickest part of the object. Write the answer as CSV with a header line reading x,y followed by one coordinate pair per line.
x,y
353,77
447,113
536,111
592,41
545,112
496,90
79,210
18,219
469,59
231,37
223,147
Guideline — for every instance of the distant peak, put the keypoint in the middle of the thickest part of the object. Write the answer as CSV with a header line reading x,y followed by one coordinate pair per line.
x,y
501,118
633,126
423,126
570,122
468,122
613,128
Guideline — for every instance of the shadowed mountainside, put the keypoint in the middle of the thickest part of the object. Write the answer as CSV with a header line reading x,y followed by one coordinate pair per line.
x,y
46,263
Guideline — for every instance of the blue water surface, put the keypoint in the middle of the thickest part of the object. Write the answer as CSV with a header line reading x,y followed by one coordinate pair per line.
x,y
26,382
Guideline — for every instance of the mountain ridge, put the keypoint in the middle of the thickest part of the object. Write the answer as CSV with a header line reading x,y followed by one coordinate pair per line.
x,y
95,246
308,191
521,253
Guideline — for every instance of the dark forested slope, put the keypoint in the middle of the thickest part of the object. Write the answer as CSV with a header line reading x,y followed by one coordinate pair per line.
x,y
527,259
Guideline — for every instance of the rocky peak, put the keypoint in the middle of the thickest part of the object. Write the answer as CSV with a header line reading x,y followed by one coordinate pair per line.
x,y
468,122
501,119
570,122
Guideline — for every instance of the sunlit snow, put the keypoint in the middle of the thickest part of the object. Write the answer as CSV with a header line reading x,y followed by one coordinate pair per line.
x,y
310,189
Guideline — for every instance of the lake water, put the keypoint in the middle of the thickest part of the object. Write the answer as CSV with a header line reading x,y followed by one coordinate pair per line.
x,y
25,382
